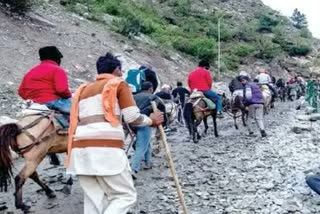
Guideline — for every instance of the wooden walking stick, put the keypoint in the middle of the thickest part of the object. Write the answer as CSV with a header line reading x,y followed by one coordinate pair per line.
x,y
171,164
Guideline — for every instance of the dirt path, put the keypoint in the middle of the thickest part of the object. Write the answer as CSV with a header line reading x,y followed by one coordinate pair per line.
x,y
230,174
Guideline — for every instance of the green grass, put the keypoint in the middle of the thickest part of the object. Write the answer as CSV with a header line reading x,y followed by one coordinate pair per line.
x,y
195,33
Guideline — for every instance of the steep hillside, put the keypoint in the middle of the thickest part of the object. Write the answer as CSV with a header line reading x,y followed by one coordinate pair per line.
x,y
251,33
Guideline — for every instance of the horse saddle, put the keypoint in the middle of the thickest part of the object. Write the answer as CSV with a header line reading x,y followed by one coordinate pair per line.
x,y
59,121
197,96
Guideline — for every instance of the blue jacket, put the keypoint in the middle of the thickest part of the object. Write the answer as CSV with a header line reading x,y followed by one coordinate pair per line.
x,y
252,94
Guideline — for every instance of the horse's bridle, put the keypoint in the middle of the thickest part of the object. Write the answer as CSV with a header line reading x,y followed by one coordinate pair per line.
x,y
40,138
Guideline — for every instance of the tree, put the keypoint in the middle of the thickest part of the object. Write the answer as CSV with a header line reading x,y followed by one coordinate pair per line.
x,y
299,19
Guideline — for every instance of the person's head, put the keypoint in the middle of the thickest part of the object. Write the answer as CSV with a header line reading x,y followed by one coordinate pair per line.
x,y
179,84
109,64
147,86
261,70
50,53
204,64
243,73
145,67
244,79
166,88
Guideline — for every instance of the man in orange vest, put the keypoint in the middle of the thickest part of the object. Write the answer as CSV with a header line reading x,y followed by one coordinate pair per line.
x,y
96,139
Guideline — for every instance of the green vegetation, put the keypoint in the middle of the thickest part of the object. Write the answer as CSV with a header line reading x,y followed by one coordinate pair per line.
x,y
19,6
195,33
299,19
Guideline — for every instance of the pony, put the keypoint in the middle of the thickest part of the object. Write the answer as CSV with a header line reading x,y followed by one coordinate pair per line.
x,y
195,111
282,91
237,106
267,97
32,137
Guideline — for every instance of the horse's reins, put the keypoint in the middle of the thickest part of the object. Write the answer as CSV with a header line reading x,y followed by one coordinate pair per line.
x,y
35,140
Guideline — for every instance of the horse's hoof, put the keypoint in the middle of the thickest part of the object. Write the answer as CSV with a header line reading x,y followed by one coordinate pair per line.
x,y
237,127
24,208
51,194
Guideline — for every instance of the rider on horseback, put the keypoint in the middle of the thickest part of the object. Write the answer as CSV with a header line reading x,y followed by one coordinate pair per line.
x,y
253,99
265,79
235,86
200,79
47,83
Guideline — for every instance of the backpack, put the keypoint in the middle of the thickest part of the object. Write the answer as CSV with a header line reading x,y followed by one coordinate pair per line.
x,y
135,78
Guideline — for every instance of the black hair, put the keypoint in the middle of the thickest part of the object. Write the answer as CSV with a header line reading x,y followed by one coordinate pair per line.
x,y
146,86
242,77
204,63
107,63
50,53
179,83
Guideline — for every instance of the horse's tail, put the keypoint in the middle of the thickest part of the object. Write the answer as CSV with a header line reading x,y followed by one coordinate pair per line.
x,y
187,113
8,137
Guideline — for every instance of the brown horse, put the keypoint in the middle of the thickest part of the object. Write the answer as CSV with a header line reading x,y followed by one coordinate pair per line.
x,y
237,109
195,111
33,137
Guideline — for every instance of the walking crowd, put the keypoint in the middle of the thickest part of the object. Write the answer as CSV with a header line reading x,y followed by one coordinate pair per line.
x,y
95,115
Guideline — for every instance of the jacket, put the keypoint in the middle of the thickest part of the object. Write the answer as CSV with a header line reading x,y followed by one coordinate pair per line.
x,y
96,136
45,83
252,94
235,84
200,79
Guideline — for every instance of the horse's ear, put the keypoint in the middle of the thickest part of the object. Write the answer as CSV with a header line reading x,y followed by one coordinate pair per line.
x,y
224,95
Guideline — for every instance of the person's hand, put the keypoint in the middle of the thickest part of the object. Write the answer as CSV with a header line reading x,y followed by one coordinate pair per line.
x,y
157,118
247,108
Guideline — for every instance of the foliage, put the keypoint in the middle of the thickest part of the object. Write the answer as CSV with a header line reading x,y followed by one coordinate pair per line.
x,y
266,49
243,49
266,23
195,33
299,19
200,48
19,6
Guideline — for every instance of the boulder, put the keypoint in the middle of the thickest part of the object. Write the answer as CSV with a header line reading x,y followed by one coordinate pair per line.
x,y
298,128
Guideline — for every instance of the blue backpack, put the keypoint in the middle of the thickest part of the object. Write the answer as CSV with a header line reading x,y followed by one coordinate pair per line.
x,y
135,78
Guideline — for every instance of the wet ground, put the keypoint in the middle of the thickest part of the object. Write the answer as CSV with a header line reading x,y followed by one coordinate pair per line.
x,y
230,174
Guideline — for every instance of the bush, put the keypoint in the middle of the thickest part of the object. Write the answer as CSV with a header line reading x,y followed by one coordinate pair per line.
x,y
243,50
130,26
201,48
299,49
230,61
266,49
266,23
19,6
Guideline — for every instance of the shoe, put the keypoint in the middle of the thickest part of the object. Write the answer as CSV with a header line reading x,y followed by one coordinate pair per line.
x,y
219,115
134,175
263,133
147,166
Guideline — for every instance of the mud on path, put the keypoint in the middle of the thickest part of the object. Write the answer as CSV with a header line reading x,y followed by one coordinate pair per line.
x,y
230,174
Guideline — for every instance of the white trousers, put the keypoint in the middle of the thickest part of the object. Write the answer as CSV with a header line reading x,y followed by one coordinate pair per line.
x,y
108,194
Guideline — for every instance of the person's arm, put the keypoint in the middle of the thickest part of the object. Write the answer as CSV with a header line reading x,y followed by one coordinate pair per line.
x,y
248,93
21,90
61,84
209,79
186,91
131,113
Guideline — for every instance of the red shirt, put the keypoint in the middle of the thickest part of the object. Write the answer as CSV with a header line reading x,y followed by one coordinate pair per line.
x,y
200,79
44,83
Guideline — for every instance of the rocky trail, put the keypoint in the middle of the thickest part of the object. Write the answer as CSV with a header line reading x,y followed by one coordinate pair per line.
x,y
232,174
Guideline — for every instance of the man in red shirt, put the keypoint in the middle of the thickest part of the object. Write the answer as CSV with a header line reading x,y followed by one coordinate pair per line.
x,y
47,82
200,79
